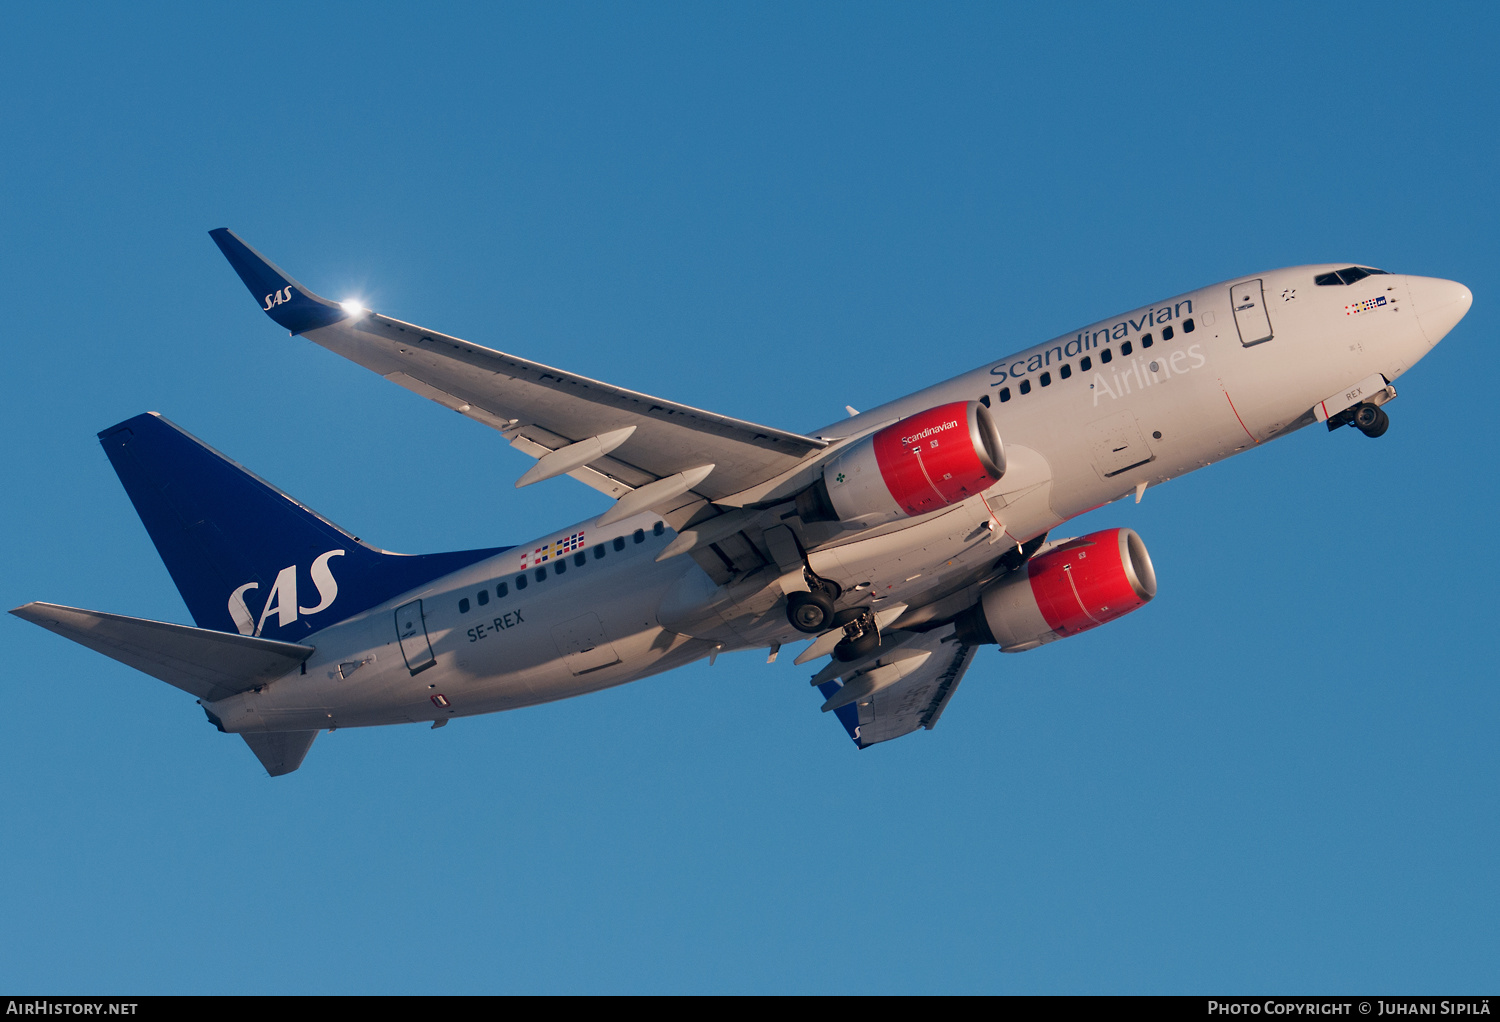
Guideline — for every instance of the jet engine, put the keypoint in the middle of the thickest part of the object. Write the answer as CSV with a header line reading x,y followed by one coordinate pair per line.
x,y
1076,585
921,463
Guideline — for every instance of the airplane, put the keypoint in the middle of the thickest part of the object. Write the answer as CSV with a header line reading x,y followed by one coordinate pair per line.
x,y
898,540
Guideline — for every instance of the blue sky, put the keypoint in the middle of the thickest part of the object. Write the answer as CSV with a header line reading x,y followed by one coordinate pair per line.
x,y
1281,775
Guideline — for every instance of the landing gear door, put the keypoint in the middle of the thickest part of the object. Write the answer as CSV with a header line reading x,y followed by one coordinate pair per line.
x,y
411,632
1249,301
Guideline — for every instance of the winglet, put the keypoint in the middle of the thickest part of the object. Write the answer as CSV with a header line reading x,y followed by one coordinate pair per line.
x,y
283,299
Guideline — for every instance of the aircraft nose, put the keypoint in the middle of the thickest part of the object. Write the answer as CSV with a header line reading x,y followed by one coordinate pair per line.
x,y
1439,305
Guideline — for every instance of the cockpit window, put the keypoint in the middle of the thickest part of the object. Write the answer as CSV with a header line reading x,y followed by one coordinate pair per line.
x,y
1348,275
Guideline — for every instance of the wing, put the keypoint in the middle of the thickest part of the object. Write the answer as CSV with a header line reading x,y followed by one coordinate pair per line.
x,y
906,687
631,440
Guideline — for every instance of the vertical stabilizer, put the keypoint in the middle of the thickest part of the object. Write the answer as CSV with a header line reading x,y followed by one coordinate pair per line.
x,y
246,557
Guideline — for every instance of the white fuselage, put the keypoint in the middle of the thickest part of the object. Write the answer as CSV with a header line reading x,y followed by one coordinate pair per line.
x,y
1150,413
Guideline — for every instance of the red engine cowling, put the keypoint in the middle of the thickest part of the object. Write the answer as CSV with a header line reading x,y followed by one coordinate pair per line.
x,y
922,463
1075,586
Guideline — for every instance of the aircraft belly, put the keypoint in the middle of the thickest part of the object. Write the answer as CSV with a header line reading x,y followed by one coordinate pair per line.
x,y
568,642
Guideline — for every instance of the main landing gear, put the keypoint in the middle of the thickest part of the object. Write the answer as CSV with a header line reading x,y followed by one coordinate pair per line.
x,y
812,611
1369,419
861,637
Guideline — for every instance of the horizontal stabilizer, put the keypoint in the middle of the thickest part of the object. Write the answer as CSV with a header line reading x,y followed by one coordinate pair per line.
x,y
280,752
211,665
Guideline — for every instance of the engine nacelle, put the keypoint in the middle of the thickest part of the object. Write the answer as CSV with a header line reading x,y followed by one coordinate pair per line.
x,y
922,463
1075,586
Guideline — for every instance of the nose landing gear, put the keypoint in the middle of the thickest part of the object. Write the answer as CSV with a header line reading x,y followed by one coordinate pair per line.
x,y
1369,419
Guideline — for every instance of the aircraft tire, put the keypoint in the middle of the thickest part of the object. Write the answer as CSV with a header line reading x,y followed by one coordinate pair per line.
x,y
854,649
809,612
1372,421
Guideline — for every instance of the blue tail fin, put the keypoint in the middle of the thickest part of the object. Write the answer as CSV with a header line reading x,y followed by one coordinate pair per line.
x,y
282,298
246,557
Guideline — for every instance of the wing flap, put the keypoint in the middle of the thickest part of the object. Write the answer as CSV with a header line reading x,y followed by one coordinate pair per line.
x,y
914,702
208,664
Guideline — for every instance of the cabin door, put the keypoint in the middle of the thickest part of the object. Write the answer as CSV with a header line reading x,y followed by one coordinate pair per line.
x,y
1248,299
411,632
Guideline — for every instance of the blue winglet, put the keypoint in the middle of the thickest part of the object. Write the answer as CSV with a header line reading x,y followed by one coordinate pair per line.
x,y
848,714
283,299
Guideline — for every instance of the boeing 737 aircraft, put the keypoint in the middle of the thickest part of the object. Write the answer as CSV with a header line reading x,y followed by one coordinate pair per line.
x,y
898,540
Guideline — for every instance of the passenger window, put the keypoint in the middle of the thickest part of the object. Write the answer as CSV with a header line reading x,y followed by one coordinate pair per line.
x,y
1085,363
1187,326
599,551
1025,386
580,558
640,535
1046,379
1065,371
661,527
484,597
1125,348
520,582
1004,394
560,565
619,542
985,400
1146,340
541,574
502,589
463,606
1166,333
1105,356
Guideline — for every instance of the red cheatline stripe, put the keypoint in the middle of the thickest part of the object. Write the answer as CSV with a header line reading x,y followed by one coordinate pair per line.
x,y
1236,412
